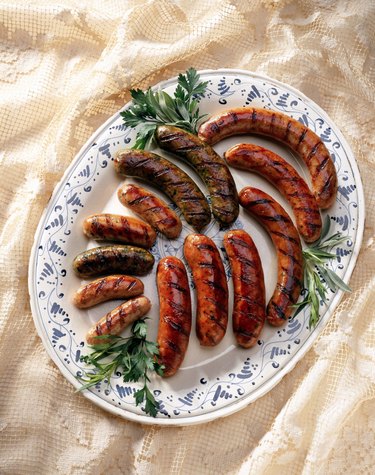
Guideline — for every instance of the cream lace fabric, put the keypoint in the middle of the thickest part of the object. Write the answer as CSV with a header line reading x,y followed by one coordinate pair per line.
x,y
65,67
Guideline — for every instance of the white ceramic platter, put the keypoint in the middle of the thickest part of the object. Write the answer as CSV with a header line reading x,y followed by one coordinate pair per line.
x,y
212,382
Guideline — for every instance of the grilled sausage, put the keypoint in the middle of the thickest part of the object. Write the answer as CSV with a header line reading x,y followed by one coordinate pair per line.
x,y
281,127
288,248
249,306
118,319
286,179
173,181
212,290
152,209
107,288
210,167
175,313
111,259
114,227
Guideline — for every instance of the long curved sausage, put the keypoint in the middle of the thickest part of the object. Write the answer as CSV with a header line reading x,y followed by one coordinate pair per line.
x,y
173,181
288,248
298,137
106,260
152,209
249,306
286,179
205,262
107,288
115,321
174,315
114,227
210,167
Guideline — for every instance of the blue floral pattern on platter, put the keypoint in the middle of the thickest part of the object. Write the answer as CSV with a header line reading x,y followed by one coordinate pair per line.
x,y
215,387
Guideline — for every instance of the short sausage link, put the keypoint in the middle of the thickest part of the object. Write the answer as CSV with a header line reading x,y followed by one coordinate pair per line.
x,y
118,319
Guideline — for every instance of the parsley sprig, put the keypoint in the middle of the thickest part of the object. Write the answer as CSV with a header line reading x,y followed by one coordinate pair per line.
x,y
153,108
135,356
318,278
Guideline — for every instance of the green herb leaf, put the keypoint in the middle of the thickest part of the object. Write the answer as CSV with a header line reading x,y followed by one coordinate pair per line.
x,y
153,108
318,278
135,356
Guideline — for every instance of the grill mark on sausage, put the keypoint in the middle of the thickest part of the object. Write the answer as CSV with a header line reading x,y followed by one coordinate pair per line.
x,y
313,151
276,218
176,286
297,281
291,257
279,310
205,247
286,237
139,200
326,185
234,116
217,321
302,136
287,130
307,210
322,165
214,285
287,292
261,201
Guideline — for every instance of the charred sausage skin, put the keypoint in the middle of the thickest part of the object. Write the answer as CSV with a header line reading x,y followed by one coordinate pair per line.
x,y
210,167
114,227
173,181
107,288
288,249
113,259
152,209
249,306
175,313
286,179
205,262
281,127
115,321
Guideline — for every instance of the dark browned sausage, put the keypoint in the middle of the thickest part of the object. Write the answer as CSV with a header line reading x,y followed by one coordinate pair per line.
x,y
175,313
210,167
281,127
118,319
173,181
107,288
114,227
249,306
152,209
288,248
111,259
212,290
286,179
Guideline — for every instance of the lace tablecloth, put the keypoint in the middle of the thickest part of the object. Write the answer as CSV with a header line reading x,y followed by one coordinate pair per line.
x,y
65,67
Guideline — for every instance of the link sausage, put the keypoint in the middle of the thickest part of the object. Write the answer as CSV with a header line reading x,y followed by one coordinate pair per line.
x,y
175,313
249,306
107,288
288,248
118,319
286,179
111,259
152,209
211,285
281,127
114,227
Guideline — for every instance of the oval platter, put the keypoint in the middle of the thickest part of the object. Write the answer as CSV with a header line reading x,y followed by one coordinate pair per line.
x,y
212,382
